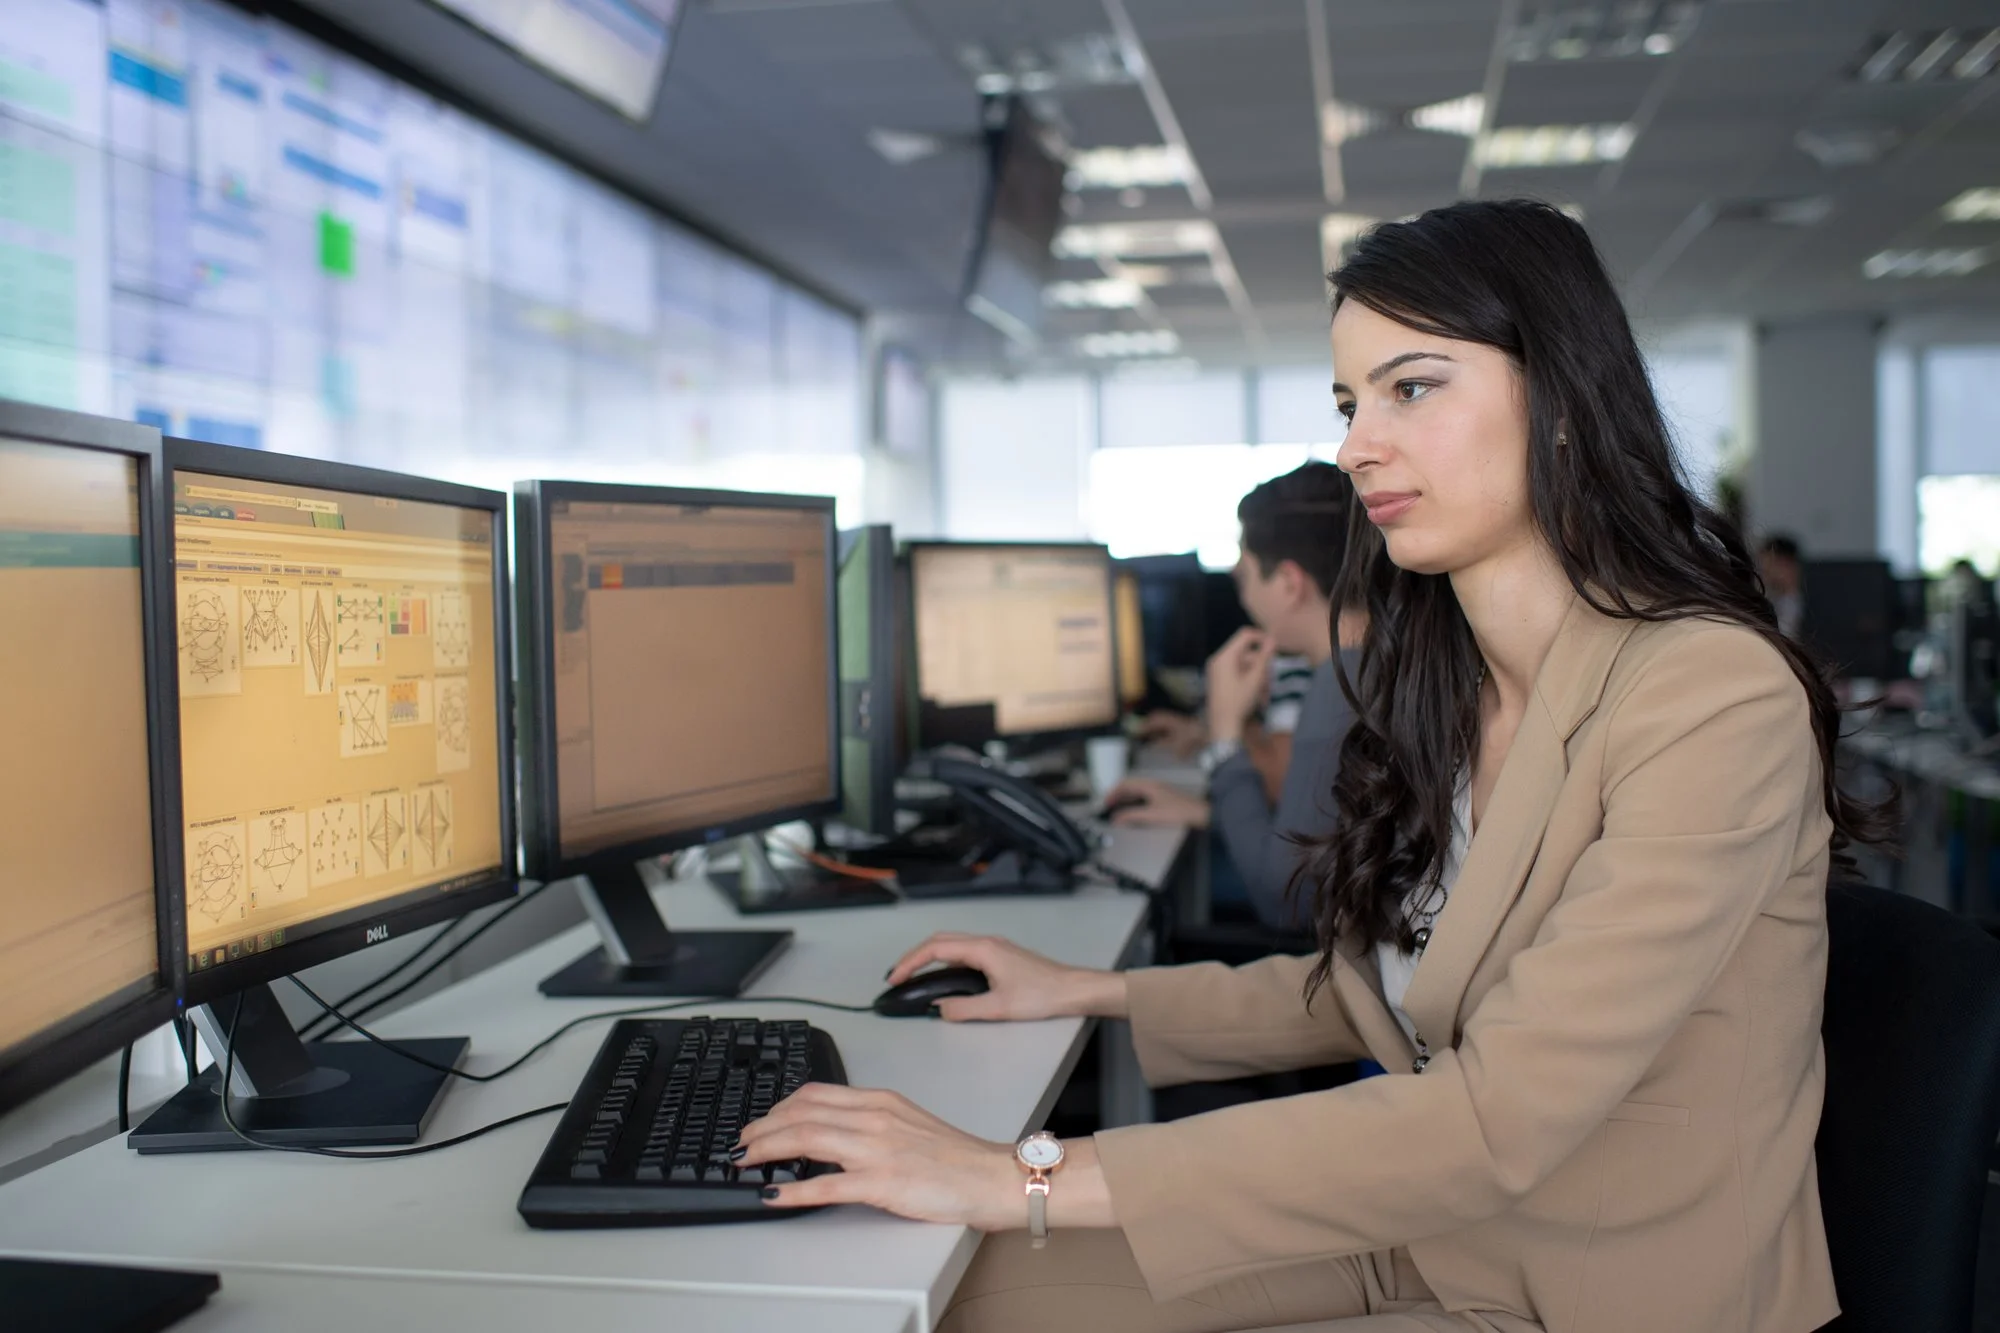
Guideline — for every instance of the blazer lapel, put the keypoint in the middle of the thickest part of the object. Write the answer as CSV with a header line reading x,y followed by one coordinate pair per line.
x,y
1503,849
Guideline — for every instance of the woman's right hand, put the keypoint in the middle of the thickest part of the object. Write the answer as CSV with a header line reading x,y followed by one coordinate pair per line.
x,y
1021,986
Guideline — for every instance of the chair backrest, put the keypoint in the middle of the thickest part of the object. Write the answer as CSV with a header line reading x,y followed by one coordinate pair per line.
x,y
1912,1034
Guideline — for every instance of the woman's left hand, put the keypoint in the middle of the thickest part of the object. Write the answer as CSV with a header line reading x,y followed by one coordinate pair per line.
x,y
893,1155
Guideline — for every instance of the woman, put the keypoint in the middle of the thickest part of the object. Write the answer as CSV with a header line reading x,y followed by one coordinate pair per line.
x,y
1575,901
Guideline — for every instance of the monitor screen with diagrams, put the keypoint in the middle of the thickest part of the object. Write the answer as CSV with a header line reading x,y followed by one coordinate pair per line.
x,y
339,727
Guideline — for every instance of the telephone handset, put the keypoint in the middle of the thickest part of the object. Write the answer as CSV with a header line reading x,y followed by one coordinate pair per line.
x,y
1018,811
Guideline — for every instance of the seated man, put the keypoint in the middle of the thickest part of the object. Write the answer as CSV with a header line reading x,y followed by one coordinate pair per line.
x,y
1294,529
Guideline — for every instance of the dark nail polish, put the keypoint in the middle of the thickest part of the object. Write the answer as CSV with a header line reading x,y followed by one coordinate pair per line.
x,y
769,1191
738,1153
890,973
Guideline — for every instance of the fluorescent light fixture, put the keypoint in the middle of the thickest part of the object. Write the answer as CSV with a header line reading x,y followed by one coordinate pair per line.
x,y
1337,233
1340,121
1148,167
1853,146
1152,275
1982,205
1459,115
1948,53
1941,263
1515,146
1927,61
1137,342
900,147
1979,58
1606,30
1137,240
1098,294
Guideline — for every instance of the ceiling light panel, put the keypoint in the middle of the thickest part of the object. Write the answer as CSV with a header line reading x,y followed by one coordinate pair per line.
x,y
1098,294
1608,30
1139,342
1982,205
1137,240
1519,146
1341,121
1930,56
1149,167
1459,115
1941,263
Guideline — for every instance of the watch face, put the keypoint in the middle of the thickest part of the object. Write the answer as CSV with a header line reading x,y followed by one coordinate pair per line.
x,y
1041,1152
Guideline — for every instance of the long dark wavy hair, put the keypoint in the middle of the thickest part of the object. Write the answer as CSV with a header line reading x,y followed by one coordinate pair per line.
x,y
1610,500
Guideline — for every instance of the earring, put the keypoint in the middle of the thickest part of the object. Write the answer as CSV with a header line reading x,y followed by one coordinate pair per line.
x,y
1562,439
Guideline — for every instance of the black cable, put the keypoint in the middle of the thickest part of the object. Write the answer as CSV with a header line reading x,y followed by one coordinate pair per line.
x,y
563,1031
307,1033
436,963
125,1090
453,952
184,1033
349,1154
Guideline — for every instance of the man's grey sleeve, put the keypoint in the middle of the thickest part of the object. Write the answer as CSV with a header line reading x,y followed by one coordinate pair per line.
x,y
1255,835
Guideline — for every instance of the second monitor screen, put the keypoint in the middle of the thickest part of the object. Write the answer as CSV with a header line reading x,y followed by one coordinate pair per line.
x,y
692,660
1024,629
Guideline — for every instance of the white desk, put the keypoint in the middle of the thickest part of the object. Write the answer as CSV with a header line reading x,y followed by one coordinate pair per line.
x,y
453,1214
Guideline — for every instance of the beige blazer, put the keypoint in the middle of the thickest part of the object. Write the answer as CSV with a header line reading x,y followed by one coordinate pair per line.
x,y
1622,998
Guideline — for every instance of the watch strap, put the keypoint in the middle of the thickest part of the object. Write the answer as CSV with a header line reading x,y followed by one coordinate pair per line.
x,y
1217,753
1038,1215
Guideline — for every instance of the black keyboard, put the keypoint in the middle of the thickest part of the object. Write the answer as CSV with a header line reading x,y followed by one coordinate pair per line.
x,y
646,1140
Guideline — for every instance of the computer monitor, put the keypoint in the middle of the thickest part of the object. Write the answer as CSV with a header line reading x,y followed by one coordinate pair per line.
x,y
88,958
1975,669
1853,609
870,740
679,687
1013,641
1131,622
345,767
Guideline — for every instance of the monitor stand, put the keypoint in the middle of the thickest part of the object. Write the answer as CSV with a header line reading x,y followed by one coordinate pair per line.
x,y
760,887
326,1094
642,955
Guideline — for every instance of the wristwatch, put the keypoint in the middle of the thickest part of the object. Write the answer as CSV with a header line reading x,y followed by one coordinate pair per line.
x,y
1041,1156
1217,753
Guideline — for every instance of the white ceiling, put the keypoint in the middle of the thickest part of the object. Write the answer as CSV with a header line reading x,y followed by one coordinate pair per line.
x,y
761,134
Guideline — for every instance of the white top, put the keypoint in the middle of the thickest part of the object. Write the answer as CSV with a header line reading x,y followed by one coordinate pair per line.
x,y
1396,966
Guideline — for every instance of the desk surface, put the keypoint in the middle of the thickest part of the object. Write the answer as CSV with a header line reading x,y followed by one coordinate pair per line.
x,y
256,1301
1928,755
453,1213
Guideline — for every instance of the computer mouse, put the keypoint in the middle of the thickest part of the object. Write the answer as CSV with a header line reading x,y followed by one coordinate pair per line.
x,y
1110,808
918,997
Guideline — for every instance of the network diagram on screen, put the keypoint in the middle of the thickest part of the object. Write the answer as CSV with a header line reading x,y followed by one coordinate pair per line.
x,y
336,676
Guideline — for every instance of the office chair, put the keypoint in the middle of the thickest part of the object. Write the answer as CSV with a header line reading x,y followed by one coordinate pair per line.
x,y
1912,1035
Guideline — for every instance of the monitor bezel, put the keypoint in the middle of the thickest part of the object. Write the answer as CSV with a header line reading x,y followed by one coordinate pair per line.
x,y
876,544
541,828
415,908
80,1040
913,551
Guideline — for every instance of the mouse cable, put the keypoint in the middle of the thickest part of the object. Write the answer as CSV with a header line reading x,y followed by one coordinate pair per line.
x,y
664,1007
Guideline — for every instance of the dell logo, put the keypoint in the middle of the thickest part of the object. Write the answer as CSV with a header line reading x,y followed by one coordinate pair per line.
x,y
376,934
